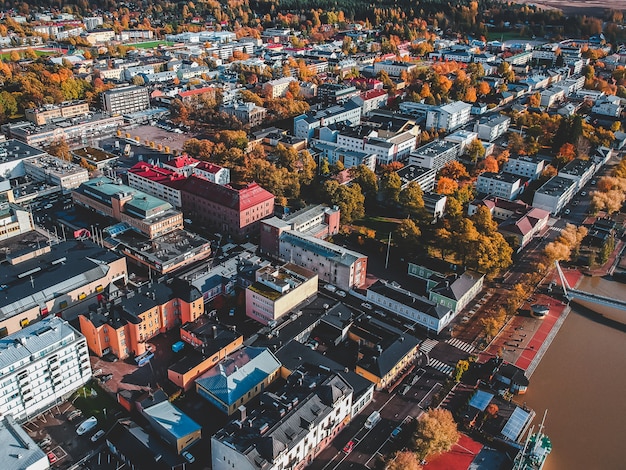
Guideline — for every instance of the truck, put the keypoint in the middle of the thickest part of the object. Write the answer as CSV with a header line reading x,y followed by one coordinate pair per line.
x,y
372,420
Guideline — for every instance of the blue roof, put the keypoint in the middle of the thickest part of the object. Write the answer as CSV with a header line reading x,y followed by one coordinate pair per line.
x,y
515,424
238,374
480,400
171,419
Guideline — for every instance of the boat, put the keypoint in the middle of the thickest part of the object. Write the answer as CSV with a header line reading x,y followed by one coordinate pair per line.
x,y
536,449
539,310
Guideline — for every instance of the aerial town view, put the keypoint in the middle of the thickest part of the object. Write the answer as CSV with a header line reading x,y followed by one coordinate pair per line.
x,y
333,235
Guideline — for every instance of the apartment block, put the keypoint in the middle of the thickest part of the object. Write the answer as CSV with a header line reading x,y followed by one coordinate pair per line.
x,y
125,100
489,128
41,366
527,166
435,154
555,194
504,185
69,109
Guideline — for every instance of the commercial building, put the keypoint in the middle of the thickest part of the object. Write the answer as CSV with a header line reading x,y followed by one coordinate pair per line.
x,y
555,194
41,366
125,100
435,154
528,166
233,211
393,68
489,128
14,220
69,109
238,378
286,431
304,125
95,157
277,88
332,263
154,180
55,171
172,425
384,353
410,306
13,154
318,221
278,290
52,280
122,325
504,185
144,213
458,291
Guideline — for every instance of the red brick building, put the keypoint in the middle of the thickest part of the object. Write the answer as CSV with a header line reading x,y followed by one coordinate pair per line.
x,y
231,211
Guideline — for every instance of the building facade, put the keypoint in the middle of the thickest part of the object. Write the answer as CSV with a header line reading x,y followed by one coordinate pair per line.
x,y
125,100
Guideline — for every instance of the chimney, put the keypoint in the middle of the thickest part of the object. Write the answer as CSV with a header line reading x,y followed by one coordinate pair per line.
x,y
214,330
242,413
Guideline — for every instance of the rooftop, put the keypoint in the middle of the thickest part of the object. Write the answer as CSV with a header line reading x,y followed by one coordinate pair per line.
x,y
410,299
16,150
436,147
323,248
172,420
556,186
19,451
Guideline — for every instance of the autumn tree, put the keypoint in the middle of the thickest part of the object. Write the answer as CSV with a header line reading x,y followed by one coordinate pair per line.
x,y
349,199
454,170
411,198
60,148
489,164
403,460
436,433
461,367
566,154
516,144
475,150
390,184
446,186
366,178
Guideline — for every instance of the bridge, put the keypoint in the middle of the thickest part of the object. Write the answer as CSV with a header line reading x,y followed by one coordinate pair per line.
x,y
575,294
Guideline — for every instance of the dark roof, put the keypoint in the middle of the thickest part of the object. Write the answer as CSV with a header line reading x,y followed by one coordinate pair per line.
x,y
456,288
417,302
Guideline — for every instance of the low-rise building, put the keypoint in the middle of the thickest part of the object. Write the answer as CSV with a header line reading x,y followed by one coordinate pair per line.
x,y
425,177
435,204
238,378
458,291
349,158
344,268
246,113
435,154
278,290
523,226
370,100
527,166
608,106
95,157
278,87
55,171
172,425
393,68
69,109
580,171
407,305
19,449
13,154
123,325
555,194
504,185
14,220
336,93
41,366
489,128
289,430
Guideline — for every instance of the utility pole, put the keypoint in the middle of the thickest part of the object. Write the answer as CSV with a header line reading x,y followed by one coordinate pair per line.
x,y
387,257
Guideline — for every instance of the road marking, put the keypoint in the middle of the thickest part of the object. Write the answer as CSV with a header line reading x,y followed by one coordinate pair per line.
x,y
427,345
440,366
462,345
437,385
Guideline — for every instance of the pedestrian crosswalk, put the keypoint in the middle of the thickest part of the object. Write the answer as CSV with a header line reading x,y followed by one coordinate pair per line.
x,y
462,345
441,366
427,345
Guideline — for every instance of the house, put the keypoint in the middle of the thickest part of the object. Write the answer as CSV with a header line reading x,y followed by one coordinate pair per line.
x,y
238,378
172,425
457,291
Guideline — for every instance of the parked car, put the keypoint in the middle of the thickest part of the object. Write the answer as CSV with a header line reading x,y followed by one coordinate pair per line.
x,y
341,293
330,288
348,447
566,211
583,194
52,458
97,435
366,305
87,425
396,432
45,442
72,415
188,457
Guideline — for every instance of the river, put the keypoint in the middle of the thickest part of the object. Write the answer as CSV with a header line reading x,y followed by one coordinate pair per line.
x,y
581,381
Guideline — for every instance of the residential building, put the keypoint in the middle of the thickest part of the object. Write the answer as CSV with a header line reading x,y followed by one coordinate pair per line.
x,y
425,177
99,36
238,378
463,138
121,326
384,351
13,154
125,100
435,154
20,450
144,213
344,268
435,204
407,305
581,171
504,185
555,194
304,125
41,366
458,291
448,117
608,106
349,158
183,164
53,279
371,99
92,22
55,171
278,290
552,96
14,220
69,109
336,93
212,172
172,425
318,221
527,166
490,127
153,180
234,211
524,225
286,431
393,68
246,113
278,87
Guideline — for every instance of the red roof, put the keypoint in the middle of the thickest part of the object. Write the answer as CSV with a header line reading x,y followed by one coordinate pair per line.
x,y
371,94
209,167
459,458
227,196
181,161
155,173
196,91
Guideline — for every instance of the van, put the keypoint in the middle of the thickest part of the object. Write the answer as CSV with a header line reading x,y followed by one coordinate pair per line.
x,y
372,420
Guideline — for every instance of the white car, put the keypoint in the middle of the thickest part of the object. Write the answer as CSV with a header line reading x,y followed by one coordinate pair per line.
x,y
188,457
97,435
341,293
87,425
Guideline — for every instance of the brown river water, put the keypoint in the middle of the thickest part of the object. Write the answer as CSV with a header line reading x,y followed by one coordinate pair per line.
x,y
581,381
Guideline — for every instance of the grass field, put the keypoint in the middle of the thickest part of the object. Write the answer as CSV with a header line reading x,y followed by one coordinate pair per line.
x,y
150,44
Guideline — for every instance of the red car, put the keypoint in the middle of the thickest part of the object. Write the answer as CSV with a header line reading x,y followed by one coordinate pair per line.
x,y
348,447
52,457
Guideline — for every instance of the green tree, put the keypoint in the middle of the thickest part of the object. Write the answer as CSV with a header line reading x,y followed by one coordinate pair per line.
x,y
461,367
475,150
411,198
390,184
483,221
408,236
349,199
366,178
436,433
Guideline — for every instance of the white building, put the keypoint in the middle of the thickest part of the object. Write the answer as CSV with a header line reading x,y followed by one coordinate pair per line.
x,y
278,87
580,171
18,449
425,177
528,166
504,185
393,68
489,128
55,171
41,366
448,117
461,137
304,125
349,158
552,96
435,154
125,100
212,172
608,106
555,194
